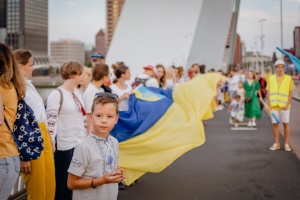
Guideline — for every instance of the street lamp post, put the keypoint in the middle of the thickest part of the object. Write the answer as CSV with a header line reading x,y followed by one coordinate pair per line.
x,y
262,45
281,28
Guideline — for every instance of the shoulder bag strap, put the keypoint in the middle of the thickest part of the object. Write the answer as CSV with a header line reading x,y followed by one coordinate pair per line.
x,y
16,140
61,98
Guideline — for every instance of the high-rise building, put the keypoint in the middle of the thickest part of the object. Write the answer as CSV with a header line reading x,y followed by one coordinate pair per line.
x,y
237,54
113,12
2,21
25,25
67,50
100,42
297,41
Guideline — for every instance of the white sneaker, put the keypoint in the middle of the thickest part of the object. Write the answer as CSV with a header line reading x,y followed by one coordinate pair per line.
x,y
249,124
236,125
275,147
287,147
221,107
253,124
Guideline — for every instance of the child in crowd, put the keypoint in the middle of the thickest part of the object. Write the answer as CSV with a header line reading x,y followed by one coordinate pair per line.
x,y
241,91
236,110
94,171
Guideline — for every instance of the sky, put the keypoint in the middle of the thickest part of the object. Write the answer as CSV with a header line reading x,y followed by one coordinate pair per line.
x,y
82,19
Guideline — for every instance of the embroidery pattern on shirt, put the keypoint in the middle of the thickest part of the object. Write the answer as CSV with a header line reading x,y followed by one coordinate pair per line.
x,y
108,151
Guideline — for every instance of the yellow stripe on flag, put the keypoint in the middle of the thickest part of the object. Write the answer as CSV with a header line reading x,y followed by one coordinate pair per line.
x,y
175,133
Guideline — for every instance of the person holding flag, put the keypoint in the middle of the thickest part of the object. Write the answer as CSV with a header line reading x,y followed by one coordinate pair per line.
x,y
280,87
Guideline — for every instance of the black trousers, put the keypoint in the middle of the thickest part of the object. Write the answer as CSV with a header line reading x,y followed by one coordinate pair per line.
x,y
62,162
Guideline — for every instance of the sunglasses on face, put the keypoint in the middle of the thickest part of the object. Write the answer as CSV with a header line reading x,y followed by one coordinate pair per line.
x,y
103,94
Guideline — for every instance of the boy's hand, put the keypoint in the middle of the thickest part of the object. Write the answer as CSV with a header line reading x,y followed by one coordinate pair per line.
x,y
113,177
120,171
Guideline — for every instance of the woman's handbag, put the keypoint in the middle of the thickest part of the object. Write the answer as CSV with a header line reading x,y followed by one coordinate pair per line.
x,y
249,98
26,133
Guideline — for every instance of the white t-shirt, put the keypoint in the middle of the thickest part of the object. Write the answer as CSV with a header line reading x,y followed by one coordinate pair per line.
x,y
151,82
66,125
237,106
123,105
35,101
169,84
233,83
89,95
181,80
93,158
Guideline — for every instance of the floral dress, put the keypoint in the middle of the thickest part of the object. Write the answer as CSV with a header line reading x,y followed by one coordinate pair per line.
x,y
252,108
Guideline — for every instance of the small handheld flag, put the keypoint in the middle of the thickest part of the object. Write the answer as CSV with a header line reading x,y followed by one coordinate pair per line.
x,y
270,111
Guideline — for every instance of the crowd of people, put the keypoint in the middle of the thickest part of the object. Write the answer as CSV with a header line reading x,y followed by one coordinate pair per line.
x,y
80,159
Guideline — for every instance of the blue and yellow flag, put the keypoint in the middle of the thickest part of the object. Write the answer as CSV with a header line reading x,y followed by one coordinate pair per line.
x,y
294,60
153,134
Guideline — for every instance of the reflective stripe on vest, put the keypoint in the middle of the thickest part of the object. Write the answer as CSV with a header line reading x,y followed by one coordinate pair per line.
x,y
279,95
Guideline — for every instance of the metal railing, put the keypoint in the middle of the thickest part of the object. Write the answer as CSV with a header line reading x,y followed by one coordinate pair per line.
x,y
19,190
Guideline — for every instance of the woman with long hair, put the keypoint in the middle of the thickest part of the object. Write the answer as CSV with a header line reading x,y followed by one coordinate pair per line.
x,y
161,75
252,108
120,87
37,173
12,88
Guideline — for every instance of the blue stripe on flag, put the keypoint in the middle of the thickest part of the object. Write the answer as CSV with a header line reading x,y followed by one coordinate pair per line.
x,y
141,116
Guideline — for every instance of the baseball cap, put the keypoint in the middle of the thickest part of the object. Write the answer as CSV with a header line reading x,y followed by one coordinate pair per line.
x,y
97,55
279,62
150,67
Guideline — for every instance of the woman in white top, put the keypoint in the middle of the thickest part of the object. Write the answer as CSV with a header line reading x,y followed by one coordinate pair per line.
x,y
37,173
181,75
161,75
120,87
170,84
86,79
66,124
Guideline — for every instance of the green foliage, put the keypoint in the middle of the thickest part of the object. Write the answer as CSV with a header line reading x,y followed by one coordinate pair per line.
x,y
88,64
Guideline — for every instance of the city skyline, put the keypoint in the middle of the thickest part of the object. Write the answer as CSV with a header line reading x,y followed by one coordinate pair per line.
x,y
75,19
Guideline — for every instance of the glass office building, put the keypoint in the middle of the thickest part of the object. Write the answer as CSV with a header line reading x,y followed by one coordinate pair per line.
x,y
24,24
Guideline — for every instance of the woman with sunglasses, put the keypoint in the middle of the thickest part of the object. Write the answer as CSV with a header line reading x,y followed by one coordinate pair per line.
x,y
66,116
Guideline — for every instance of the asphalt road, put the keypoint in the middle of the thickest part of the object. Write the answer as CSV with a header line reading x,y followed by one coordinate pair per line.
x,y
231,165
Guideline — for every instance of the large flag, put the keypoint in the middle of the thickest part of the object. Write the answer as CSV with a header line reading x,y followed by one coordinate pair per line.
x,y
294,60
159,128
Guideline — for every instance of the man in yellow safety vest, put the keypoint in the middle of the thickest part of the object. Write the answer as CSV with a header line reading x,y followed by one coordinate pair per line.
x,y
280,89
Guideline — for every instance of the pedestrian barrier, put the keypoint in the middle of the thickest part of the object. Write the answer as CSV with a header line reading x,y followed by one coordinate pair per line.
x,y
19,190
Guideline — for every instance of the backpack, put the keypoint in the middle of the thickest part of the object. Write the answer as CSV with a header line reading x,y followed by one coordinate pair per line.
x,y
26,133
139,81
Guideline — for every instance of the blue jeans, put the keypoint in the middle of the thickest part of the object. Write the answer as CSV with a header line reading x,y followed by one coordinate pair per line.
x,y
9,172
232,93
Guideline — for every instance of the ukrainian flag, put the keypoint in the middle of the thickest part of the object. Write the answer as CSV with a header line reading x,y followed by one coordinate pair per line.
x,y
294,60
160,127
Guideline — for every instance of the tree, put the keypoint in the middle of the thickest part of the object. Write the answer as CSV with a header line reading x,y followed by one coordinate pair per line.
x,y
274,58
88,64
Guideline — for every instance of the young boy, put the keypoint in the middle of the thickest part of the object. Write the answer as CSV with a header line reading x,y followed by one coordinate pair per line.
x,y
236,110
94,171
